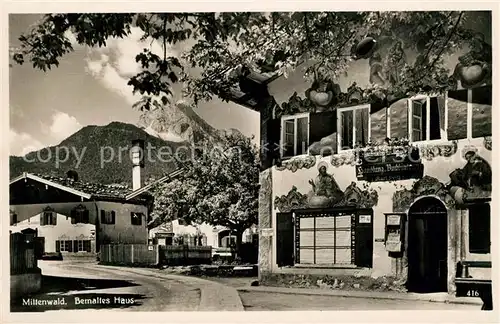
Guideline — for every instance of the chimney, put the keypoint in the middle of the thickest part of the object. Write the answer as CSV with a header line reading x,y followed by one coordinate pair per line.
x,y
137,155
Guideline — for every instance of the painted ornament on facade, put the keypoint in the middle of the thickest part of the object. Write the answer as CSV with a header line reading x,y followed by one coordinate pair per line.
x,y
430,151
474,68
326,193
325,190
487,142
403,199
301,162
473,181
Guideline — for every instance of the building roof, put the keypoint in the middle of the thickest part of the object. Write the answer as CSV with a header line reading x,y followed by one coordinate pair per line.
x,y
90,190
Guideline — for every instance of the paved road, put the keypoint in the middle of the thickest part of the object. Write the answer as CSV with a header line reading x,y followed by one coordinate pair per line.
x,y
86,281
266,301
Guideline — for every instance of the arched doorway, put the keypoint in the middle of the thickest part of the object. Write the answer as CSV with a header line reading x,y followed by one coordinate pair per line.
x,y
427,246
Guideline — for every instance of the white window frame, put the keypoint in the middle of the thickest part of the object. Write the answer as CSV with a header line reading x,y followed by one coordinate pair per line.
x,y
282,140
444,135
63,247
339,125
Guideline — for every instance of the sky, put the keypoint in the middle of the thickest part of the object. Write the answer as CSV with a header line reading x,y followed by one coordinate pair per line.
x,y
89,88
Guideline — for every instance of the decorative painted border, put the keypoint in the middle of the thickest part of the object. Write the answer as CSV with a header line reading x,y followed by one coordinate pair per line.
x,y
301,162
430,151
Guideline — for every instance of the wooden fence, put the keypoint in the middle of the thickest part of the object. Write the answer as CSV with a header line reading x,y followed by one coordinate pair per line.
x,y
152,255
22,254
185,255
129,254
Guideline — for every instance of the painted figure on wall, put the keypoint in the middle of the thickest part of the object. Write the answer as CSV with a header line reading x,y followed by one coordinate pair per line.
x,y
395,61
475,174
325,190
377,76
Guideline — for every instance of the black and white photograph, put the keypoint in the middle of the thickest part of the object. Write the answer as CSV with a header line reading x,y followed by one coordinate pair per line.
x,y
250,161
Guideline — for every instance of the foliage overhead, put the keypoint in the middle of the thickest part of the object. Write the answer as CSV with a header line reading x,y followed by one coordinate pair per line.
x,y
220,186
220,47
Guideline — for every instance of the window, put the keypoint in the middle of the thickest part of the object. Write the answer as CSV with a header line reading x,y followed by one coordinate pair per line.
x,y
353,124
107,217
80,215
426,119
469,113
14,219
333,238
479,228
64,246
136,218
82,246
295,135
325,240
48,218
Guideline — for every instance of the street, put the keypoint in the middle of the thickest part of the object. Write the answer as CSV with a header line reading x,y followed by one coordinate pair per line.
x,y
85,285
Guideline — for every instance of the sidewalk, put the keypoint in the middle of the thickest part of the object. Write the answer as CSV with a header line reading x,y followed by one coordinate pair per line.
x,y
433,297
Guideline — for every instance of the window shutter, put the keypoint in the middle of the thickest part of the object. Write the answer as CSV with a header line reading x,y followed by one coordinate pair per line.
x,y
42,219
132,220
86,216
103,217
54,218
86,245
284,239
481,112
399,119
58,246
378,124
271,150
457,114
479,228
364,240
323,126
75,245
70,246
112,217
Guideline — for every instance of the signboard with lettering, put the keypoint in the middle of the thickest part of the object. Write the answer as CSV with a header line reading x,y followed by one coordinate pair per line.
x,y
389,164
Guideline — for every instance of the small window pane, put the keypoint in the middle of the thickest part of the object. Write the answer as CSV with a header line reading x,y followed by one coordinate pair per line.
x,y
302,134
417,108
362,126
416,136
417,123
347,128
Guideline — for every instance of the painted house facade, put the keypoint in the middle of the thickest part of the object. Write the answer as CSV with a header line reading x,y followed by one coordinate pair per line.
x,y
354,186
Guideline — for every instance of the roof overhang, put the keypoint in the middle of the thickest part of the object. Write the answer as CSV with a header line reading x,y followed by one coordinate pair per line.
x,y
26,175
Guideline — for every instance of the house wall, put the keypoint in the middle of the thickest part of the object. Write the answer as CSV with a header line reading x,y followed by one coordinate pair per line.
x,y
123,231
439,167
438,163
28,216
64,230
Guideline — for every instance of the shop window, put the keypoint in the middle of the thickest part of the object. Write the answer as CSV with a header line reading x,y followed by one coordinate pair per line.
x,y
354,127
108,217
479,228
295,135
426,120
325,238
136,218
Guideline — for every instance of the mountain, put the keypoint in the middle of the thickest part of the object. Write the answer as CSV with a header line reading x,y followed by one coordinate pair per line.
x,y
180,123
100,154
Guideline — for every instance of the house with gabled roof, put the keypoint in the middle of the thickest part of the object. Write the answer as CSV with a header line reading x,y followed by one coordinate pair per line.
x,y
75,216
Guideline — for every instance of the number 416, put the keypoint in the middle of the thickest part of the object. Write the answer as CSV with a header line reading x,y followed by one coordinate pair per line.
x,y
473,293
